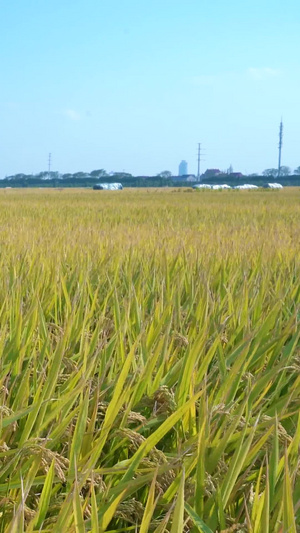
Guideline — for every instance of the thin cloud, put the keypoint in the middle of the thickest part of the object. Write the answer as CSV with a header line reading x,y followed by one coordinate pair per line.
x,y
72,114
263,73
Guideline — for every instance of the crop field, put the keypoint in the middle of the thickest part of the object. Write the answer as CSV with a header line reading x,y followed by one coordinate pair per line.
x,y
150,357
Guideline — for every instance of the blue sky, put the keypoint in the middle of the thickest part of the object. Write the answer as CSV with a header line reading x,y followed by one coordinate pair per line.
x,y
134,85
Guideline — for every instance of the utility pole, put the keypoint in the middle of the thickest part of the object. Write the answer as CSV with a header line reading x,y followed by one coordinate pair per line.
x,y
280,147
199,159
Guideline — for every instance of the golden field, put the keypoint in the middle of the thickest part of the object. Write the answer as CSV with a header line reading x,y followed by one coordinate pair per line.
x,y
150,356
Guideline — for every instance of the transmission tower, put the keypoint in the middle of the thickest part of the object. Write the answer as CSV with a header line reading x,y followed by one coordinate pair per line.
x,y
280,147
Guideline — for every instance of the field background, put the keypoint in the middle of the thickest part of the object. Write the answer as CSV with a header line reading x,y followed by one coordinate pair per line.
x,y
149,371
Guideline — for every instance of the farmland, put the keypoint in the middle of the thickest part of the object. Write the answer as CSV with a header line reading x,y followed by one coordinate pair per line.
x,y
150,356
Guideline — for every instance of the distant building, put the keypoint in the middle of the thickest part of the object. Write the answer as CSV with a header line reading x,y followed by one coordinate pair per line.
x,y
211,173
183,168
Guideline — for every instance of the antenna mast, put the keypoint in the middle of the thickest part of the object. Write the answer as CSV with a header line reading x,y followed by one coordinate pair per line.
x,y
280,147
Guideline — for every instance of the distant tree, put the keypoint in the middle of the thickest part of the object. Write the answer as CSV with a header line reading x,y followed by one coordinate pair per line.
x,y
284,171
253,175
270,172
297,171
165,174
99,173
121,175
79,175
19,176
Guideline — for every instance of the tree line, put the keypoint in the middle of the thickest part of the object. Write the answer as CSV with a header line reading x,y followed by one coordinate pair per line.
x,y
164,178
284,171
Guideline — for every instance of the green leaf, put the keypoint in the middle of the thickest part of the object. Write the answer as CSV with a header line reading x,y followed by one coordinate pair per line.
x,y
178,515
78,437
149,509
289,523
45,497
201,526
77,510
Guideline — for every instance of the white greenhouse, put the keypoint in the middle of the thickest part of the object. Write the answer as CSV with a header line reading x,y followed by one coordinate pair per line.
x,y
246,186
273,186
218,187
201,186
108,187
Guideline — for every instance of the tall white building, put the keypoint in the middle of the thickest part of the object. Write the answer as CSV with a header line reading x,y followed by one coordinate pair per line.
x,y
183,168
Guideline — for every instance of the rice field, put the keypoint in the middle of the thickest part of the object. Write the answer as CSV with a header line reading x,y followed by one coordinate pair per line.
x,y
150,357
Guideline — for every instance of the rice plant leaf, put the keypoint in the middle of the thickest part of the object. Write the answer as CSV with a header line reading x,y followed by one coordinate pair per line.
x,y
77,510
257,504
45,497
165,521
236,464
157,435
150,506
200,471
274,460
94,512
78,437
266,507
289,523
198,522
178,515
110,511
188,365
